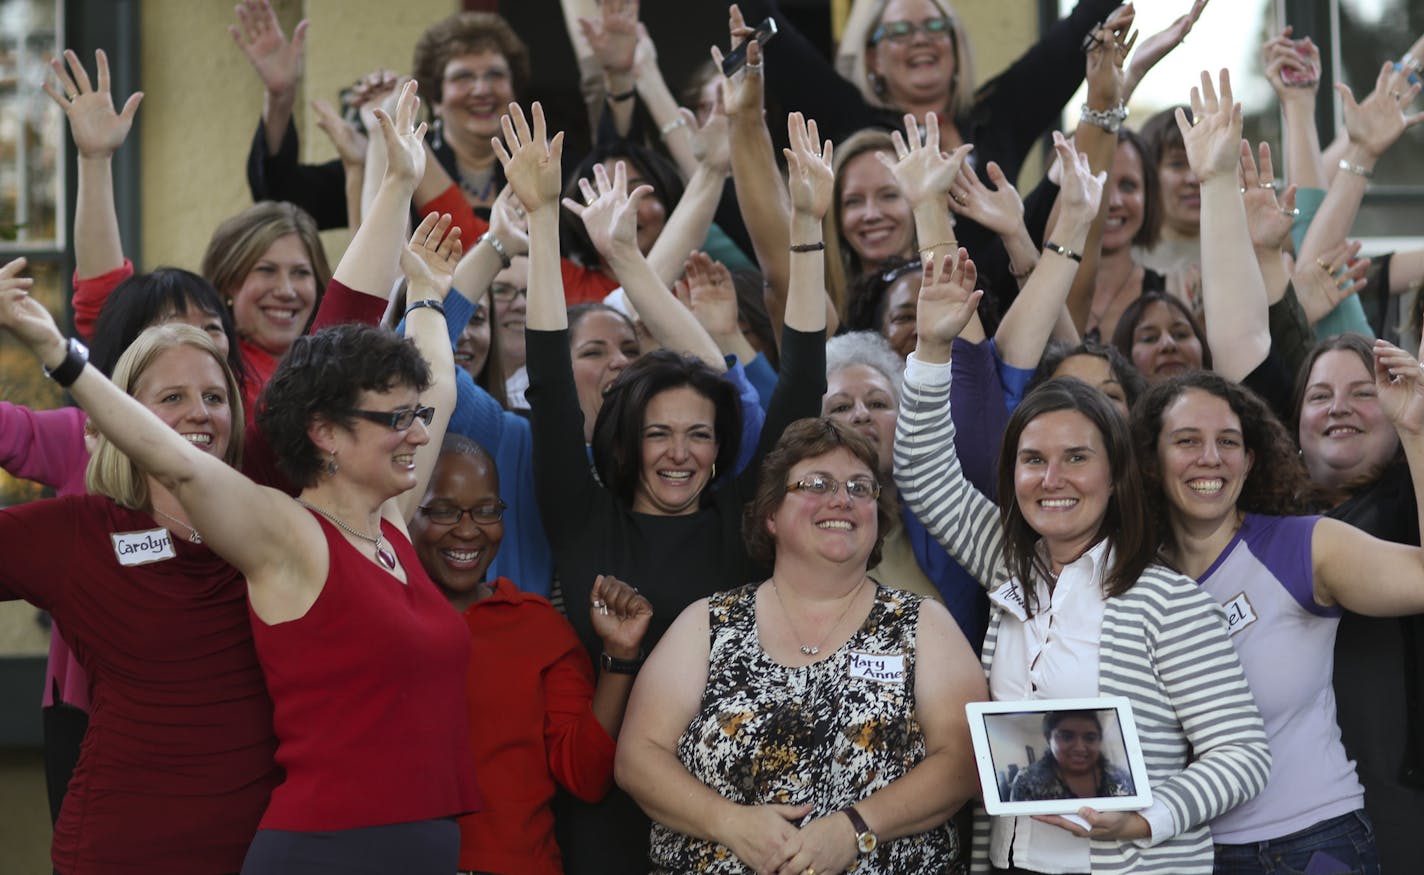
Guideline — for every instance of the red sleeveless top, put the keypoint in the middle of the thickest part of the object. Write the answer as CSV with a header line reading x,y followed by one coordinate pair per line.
x,y
368,691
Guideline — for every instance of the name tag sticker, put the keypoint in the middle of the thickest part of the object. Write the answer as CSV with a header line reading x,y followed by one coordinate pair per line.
x,y
884,668
141,548
1009,597
1239,614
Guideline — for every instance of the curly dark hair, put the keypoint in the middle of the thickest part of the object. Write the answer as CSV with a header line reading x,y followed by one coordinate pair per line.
x,y
618,430
322,376
1277,483
467,33
1125,523
1132,382
807,439
1123,334
148,299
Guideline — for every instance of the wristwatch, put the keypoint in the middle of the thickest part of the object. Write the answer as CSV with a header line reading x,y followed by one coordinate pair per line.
x,y
866,841
73,365
620,666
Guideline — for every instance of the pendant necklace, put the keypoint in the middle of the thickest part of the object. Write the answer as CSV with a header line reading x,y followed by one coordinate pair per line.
x,y
813,649
383,553
193,535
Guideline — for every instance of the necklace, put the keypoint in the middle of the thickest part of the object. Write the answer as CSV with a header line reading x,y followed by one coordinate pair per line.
x,y
383,554
1095,317
813,649
193,535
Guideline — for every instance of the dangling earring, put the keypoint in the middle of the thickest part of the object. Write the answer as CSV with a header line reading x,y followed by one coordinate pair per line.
x,y
877,84
714,471
228,301
331,467
437,139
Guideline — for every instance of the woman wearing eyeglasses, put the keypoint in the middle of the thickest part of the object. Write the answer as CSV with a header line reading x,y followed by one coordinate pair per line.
x,y
537,720
814,721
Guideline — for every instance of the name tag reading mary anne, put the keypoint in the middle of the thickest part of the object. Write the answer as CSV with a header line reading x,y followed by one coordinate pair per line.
x,y
885,668
141,548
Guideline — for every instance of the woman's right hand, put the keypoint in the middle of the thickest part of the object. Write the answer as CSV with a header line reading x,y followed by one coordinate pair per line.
x,y
278,62
619,615
1292,67
429,259
531,161
763,836
508,223
706,289
405,141
1375,124
27,318
1213,139
742,95
98,131
923,172
1081,190
947,301
610,211
809,176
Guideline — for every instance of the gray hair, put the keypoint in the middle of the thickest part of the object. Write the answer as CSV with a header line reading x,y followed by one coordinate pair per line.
x,y
866,348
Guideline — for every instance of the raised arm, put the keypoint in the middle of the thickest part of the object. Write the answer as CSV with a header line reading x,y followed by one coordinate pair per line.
x,y
706,290
1361,573
531,164
1269,217
1293,69
610,217
613,39
810,183
674,124
1233,292
277,62
98,133
687,227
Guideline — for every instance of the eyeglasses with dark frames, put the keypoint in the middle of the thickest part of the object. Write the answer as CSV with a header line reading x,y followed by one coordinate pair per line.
x,y
399,419
859,489
507,292
449,515
939,27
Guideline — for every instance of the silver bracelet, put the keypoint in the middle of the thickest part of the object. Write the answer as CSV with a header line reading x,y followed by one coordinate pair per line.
x,y
1357,169
498,248
1109,120
673,125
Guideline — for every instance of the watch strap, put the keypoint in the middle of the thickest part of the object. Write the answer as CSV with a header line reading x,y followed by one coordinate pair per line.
x,y
69,370
620,666
865,838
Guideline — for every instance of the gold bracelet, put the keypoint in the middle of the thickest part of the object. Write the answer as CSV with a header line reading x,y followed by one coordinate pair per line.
x,y
953,244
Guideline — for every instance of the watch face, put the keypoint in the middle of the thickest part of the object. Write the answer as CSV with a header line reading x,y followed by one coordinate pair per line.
x,y
866,842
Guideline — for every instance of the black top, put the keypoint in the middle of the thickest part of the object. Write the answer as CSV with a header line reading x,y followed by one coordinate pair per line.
x,y
672,560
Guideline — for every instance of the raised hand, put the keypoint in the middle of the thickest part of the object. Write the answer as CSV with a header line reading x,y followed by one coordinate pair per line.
x,y
923,172
1376,123
375,89
25,317
1081,190
614,35
809,176
1337,274
1000,209
1110,44
428,260
742,95
947,300
609,211
1270,219
706,289
1292,67
98,131
1400,384
405,141
350,143
619,616
711,142
508,223
1213,138
1159,45
278,62
531,160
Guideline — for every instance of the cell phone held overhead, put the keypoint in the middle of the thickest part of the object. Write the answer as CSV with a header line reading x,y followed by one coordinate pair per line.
x,y
736,59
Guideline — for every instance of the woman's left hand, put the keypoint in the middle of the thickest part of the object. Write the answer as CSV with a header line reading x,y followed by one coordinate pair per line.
x,y
1213,139
611,213
25,317
405,140
827,847
1157,46
1111,42
1400,385
429,260
809,175
619,615
1081,188
923,172
1269,219
706,289
1105,825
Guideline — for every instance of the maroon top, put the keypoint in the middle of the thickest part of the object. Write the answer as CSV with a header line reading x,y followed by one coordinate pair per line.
x,y
177,765
369,695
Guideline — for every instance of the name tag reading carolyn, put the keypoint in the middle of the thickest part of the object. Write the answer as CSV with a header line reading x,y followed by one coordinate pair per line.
x,y
1009,597
884,668
141,548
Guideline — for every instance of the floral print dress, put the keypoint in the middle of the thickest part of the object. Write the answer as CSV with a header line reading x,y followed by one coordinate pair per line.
x,y
828,734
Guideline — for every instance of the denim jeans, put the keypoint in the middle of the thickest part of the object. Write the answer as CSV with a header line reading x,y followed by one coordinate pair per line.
x,y
1343,845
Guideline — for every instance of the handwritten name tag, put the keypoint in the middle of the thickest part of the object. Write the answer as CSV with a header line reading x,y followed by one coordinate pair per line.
x,y
884,668
1239,614
141,548
1009,597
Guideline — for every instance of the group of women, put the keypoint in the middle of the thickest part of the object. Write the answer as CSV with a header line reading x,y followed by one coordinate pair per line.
x,y
778,555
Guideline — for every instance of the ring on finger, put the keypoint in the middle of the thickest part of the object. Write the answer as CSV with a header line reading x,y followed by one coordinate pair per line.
x,y
1396,95
1323,265
1266,184
71,97
1294,211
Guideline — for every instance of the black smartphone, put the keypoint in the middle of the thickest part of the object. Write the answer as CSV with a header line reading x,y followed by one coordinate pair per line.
x,y
737,58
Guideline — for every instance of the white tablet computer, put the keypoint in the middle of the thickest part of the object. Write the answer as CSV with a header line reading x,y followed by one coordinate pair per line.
x,y
1054,756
